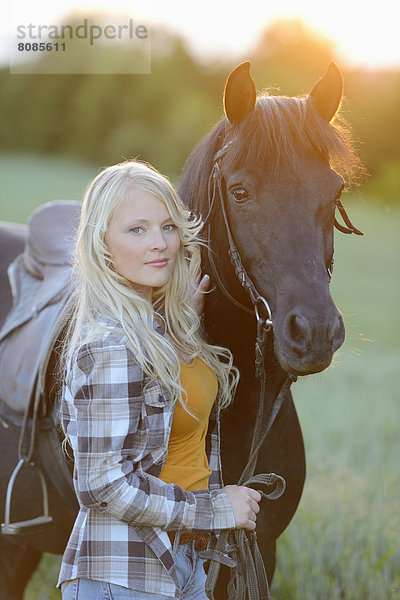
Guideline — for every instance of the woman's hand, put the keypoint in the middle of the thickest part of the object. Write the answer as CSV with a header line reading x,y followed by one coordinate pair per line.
x,y
199,294
245,506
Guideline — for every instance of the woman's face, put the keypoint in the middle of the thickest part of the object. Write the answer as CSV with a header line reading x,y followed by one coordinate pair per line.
x,y
143,242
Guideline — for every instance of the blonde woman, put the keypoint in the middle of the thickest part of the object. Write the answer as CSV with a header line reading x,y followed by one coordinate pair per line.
x,y
141,399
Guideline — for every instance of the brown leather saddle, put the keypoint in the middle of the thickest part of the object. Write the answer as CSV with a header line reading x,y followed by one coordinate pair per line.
x,y
40,280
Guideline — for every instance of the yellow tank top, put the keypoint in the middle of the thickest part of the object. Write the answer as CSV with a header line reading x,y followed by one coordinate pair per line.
x,y
186,463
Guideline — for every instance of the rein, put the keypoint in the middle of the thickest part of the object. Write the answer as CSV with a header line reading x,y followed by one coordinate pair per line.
x,y
248,576
248,580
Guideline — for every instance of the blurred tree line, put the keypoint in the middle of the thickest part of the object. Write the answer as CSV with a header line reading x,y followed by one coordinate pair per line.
x,y
160,117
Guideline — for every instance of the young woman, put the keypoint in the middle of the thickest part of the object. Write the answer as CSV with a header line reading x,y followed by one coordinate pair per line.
x,y
141,399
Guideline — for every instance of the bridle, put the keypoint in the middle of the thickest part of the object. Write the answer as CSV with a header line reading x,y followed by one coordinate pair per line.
x,y
214,190
261,307
248,577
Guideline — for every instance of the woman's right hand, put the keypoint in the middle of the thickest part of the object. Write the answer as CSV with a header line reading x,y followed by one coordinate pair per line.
x,y
245,504
199,295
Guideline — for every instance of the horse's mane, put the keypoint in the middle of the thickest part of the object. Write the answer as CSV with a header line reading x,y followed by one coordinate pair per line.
x,y
273,136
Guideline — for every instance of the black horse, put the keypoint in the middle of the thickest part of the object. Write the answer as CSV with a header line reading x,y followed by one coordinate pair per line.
x,y
275,163
275,158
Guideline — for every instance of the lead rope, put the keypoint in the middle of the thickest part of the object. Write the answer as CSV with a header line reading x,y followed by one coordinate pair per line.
x,y
238,548
248,580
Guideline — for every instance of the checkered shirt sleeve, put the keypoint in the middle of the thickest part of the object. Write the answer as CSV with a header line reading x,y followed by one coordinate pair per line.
x,y
119,432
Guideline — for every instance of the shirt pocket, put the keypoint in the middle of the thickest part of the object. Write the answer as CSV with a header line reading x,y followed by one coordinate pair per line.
x,y
154,395
156,417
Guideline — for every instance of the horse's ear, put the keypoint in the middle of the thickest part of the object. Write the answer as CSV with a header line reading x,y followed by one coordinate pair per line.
x,y
239,93
328,92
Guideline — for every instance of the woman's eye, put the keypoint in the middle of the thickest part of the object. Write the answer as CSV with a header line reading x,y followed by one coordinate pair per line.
x,y
136,229
170,227
240,194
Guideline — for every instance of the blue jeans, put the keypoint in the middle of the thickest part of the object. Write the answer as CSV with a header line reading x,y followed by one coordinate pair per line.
x,y
189,569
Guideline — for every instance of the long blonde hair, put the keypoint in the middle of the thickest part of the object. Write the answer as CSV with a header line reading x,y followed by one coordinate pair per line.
x,y
101,291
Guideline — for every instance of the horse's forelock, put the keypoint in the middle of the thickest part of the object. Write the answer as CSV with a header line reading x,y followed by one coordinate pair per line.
x,y
272,138
281,129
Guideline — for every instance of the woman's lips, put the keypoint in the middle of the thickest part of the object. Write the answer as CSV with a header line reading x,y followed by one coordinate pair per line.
x,y
161,262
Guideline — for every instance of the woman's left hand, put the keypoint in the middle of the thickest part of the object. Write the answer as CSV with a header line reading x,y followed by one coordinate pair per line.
x,y
199,294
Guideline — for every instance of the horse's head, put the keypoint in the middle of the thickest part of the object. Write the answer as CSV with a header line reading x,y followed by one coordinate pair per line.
x,y
280,192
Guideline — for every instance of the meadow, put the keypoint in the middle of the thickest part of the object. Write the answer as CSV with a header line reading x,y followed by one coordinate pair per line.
x,y
344,539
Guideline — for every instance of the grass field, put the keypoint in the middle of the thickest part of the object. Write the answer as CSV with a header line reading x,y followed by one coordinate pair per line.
x,y
344,539
29,181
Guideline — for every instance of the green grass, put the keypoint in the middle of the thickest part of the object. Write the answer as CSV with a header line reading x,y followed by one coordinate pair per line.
x,y
29,181
344,539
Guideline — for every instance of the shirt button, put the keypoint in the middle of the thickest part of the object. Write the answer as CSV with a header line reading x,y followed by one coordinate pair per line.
x,y
103,504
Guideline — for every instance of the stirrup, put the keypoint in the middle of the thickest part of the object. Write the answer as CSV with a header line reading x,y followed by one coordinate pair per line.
x,y
31,525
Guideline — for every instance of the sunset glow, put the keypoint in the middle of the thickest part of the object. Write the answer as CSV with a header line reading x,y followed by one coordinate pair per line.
x,y
362,35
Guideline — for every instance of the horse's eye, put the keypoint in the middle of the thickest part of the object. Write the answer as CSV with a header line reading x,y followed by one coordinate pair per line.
x,y
240,194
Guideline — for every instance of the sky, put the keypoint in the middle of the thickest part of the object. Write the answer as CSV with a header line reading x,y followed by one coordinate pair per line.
x,y
363,36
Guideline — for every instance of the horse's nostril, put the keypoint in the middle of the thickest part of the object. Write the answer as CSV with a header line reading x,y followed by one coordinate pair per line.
x,y
295,329
298,332
308,334
337,333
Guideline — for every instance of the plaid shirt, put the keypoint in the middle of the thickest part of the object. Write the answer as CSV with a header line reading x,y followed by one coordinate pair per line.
x,y
119,430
